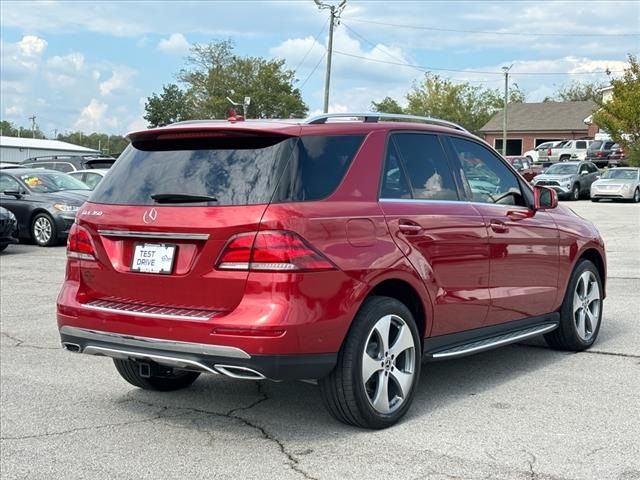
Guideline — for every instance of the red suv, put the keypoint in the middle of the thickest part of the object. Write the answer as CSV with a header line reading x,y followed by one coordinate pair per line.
x,y
347,251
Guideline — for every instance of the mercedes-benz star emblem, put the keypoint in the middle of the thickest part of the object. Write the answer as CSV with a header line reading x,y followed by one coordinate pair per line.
x,y
150,215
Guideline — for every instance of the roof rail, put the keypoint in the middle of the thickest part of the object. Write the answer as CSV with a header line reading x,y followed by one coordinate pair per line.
x,y
374,117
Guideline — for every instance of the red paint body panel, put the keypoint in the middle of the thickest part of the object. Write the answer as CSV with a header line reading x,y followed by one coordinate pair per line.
x,y
465,273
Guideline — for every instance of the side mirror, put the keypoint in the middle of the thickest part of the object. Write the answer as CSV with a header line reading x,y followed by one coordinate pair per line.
x,y
13,193
544,198
583,172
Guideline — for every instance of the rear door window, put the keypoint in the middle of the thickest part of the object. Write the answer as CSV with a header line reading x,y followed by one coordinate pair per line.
x,y
581,145
244,170
426,166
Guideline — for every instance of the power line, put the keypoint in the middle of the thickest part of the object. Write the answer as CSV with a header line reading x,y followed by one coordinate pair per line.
x,y
374,45
315,40
314,70
486,32
425,68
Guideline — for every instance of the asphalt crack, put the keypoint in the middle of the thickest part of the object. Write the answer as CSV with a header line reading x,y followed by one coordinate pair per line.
x,y
157,416
22,343
292,461
532,473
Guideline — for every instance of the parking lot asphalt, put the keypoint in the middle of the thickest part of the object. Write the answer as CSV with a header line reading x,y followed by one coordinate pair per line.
x,y
520,412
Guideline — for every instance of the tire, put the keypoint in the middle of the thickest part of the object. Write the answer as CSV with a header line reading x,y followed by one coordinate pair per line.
x,y
584,292
173,380
43,230
636,196
3,246
575,193
565,158
347,394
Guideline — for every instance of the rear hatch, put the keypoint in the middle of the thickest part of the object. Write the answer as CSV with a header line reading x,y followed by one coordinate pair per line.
x,y
160,219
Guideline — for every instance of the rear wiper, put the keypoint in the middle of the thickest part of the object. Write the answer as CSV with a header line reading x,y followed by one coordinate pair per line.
x,y
181,198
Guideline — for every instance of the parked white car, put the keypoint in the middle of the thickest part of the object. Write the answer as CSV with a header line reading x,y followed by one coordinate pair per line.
x,y
617,183
573,150
533,154
91,178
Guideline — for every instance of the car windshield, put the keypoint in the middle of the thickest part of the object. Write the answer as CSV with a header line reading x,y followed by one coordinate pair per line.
x,y
624,174
51,182
562,169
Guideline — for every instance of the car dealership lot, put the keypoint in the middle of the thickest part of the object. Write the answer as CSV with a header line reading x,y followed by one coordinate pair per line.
x,y
517,412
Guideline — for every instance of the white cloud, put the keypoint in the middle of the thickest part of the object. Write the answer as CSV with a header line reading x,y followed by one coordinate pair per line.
x,y
72,61
14,110
120,78
32,46
93,117
137,124
176,44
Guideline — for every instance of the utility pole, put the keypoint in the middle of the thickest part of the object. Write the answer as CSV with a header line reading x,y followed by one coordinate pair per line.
x,y
334,19
504,111
33,125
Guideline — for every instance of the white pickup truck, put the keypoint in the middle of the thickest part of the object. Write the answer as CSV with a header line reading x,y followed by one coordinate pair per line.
x,y
565,151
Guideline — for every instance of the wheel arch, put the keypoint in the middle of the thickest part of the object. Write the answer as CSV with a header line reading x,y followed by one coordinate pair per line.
x,y
595,257
404,292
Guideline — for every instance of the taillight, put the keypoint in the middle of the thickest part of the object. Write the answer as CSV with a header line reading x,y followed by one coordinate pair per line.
x,y
271,250
79,244
599,154
548,152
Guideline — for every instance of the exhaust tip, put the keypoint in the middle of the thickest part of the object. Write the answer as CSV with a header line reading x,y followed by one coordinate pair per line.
x,y
242,373
71,347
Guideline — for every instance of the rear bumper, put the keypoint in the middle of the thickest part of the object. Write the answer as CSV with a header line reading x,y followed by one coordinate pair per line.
x,y
217,359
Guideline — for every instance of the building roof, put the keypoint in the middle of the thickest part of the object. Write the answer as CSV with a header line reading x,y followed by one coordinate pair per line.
x,y
545,116
35,143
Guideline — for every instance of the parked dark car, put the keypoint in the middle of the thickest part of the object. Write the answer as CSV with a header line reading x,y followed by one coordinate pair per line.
x,y
8,228
599,152
45,202
344,251
524,166
617,156
69,163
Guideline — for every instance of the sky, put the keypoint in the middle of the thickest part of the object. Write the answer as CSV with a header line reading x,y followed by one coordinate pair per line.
x,y
89,66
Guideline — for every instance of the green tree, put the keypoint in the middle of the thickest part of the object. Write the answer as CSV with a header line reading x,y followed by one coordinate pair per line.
x,y
387,105
107,144
577,92
620,116
8,129
468,105
172,105
213,72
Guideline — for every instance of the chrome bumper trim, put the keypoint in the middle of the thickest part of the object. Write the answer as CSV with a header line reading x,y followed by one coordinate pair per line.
x,y
151,311
156,235
153,343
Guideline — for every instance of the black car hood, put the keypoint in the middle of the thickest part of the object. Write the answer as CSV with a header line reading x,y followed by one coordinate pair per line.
x,y
71,197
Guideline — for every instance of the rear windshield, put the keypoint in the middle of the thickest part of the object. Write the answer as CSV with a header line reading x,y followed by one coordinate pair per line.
x,y
98,163
234,171
595,145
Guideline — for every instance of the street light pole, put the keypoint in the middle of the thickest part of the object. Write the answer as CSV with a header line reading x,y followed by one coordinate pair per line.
x,y
504,111
334,19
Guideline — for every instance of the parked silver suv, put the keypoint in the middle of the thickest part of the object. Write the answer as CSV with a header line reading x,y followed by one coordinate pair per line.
x,y
569,179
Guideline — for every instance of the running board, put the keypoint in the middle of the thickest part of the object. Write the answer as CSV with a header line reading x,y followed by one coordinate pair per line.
x,y
493,342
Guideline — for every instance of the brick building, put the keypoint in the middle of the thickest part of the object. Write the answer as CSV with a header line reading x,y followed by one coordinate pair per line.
x,y
530,124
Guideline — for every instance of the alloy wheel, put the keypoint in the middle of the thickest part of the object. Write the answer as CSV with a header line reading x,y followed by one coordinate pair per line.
x,y
388,364
42,230
586,305
576,193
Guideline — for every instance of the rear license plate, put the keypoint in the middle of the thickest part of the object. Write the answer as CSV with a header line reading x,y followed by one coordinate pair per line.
x,y
153,258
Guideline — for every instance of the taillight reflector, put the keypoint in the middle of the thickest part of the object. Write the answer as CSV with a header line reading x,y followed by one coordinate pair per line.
x,y
79,244
271,250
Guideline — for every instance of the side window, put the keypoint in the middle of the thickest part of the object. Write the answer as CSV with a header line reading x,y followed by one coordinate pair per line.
x,y
581,145
394,182
63,167
426,165
525,164
91,179
591,168
517,164
608,145
485,177
9,184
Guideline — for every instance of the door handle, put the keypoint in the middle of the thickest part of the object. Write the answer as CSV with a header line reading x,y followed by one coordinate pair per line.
x,y
408,227
498,226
